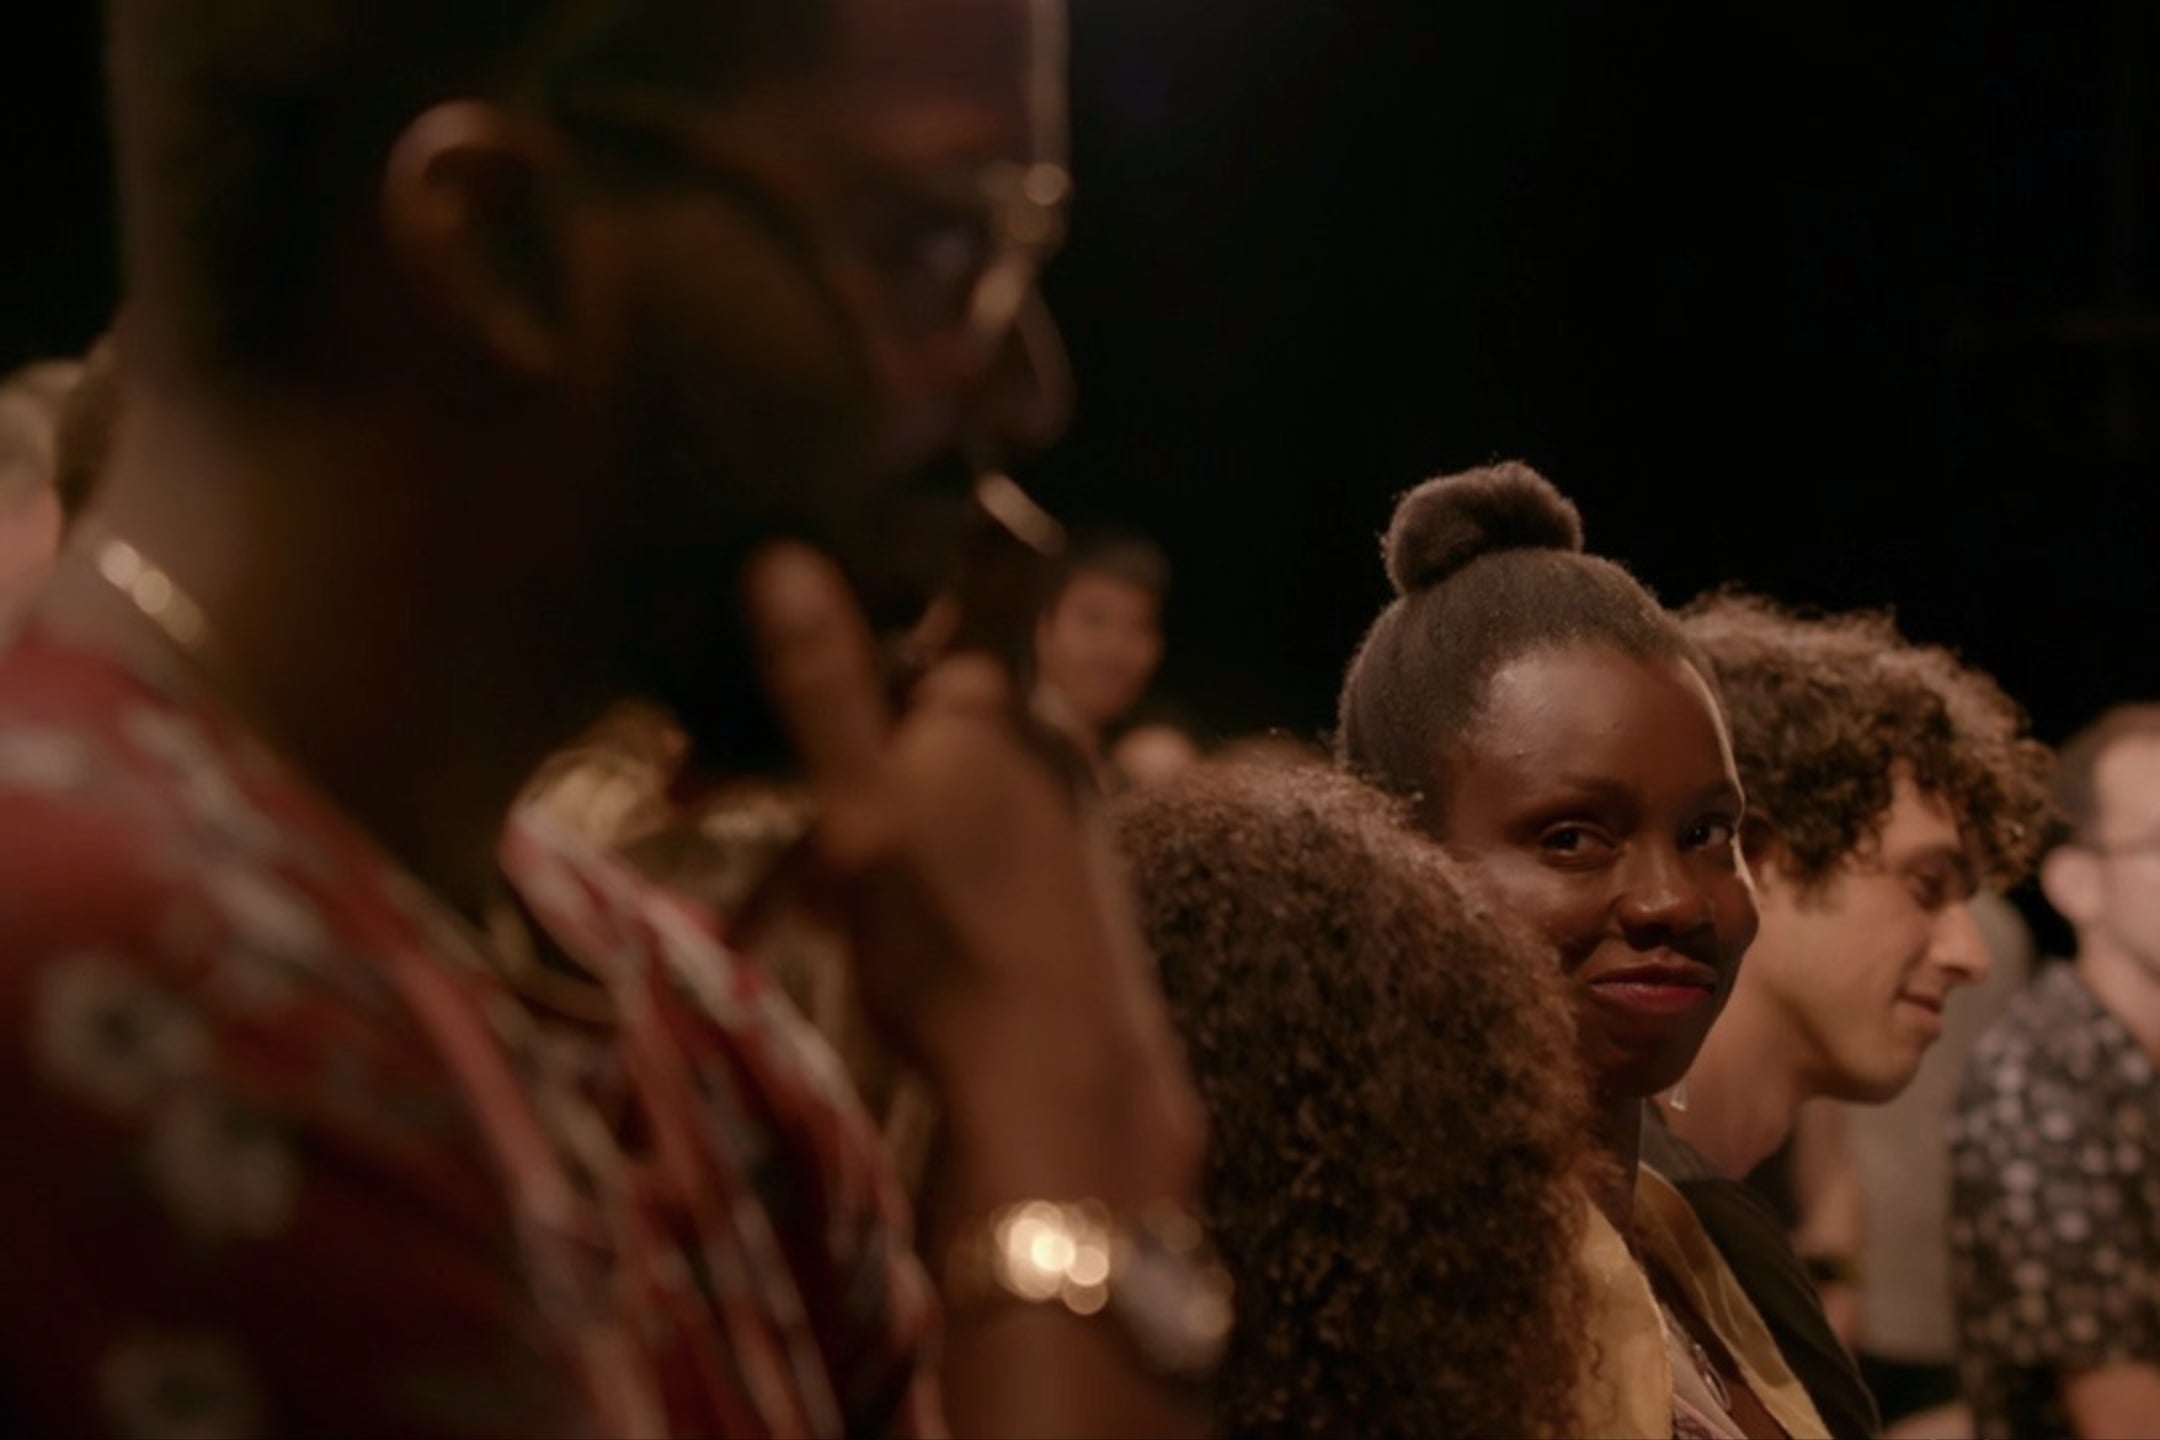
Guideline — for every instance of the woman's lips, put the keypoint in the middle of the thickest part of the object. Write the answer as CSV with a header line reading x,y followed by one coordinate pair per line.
x,y
1659,989
1652,997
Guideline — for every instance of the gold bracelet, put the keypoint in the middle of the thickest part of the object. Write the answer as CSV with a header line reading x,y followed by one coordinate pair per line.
x,y
1154,1273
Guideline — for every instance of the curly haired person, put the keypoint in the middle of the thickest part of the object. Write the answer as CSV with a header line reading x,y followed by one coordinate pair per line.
x,y
1886,782
1398,1130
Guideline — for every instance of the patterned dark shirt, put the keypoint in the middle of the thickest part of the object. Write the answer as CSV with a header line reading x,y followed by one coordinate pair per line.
x,y
2055,1206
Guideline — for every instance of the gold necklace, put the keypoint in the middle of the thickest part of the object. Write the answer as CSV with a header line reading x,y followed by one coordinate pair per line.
x,y
1700,1354
507,942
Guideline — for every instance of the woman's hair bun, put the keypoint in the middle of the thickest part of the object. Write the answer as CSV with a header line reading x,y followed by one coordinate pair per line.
x,y
1447,522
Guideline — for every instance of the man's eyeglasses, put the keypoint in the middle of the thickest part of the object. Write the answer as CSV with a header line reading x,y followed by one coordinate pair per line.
x,y
952,255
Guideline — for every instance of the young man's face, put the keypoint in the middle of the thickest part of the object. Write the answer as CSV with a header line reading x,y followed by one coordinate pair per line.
x,y
1099,644
1862,964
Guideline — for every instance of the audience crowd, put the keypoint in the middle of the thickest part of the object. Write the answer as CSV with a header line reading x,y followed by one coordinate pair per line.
x,y
506,928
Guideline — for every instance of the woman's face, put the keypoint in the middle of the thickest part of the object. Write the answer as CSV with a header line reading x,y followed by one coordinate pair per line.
x,y
1596,795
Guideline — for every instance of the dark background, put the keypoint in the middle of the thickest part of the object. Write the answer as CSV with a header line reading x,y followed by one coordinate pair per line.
x,y
1851,302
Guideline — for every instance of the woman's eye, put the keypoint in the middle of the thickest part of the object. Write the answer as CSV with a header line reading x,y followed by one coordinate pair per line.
x,y
1569,840
1709,833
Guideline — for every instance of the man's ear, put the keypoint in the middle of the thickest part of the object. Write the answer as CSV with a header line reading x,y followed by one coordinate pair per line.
x,y
2070,878
468,219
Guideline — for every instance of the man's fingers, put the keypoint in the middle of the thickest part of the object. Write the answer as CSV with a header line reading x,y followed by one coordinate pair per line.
x,y
821,668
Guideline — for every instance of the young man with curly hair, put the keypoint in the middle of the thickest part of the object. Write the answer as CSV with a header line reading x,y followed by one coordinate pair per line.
x,y
1886,781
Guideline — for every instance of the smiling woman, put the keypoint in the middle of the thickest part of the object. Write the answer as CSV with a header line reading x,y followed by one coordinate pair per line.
x,y
1560,737
1597,790
1554,724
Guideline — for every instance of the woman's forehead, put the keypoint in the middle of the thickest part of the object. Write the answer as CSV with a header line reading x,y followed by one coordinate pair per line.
x,y
1595,705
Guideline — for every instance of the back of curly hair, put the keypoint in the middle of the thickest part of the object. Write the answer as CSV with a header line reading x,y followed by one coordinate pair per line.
x,y
1827,710
1399,1125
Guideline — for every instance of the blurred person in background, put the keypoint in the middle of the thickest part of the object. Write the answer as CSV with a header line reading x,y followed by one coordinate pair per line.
x,y
56,424
1273,747
1155,743
1099,639
2055,1153
89,421
32,400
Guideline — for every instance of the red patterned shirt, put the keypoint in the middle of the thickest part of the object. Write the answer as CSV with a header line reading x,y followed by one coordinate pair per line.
x,y
286,1154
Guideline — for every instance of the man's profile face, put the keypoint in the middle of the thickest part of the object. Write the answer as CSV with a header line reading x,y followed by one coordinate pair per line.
x,y
796,347
1098,644
1863,964
2126,789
